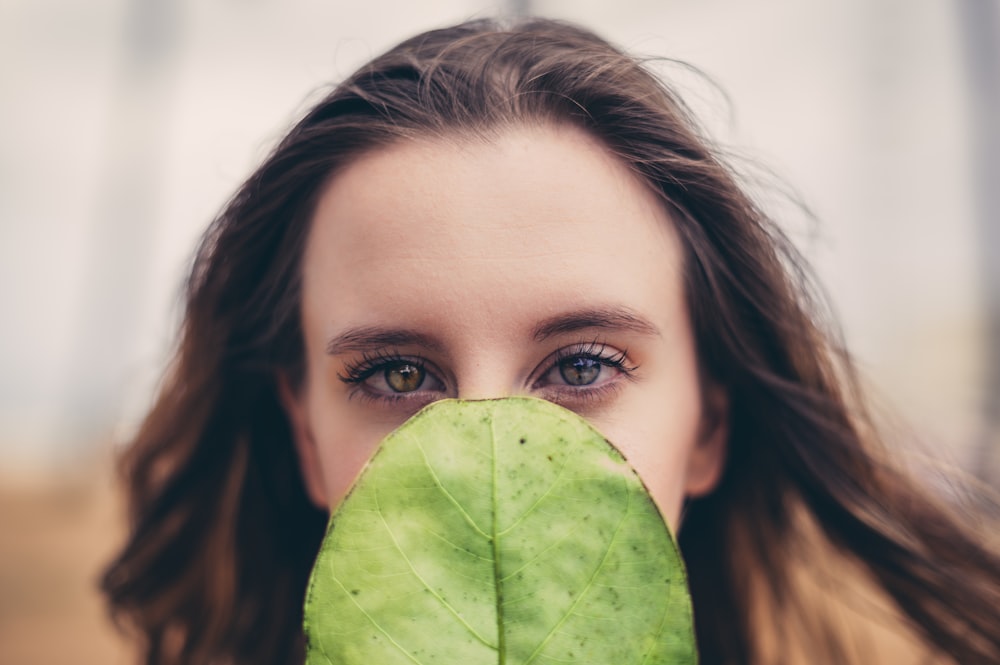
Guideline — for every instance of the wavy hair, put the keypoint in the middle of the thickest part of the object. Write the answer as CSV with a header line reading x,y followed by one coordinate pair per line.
x,y
222,535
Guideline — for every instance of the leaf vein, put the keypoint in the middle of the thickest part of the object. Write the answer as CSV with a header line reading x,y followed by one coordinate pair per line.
x,y
659,633
593,576
427,586
532,507
541,554
373,622
444,490
501,634
455,545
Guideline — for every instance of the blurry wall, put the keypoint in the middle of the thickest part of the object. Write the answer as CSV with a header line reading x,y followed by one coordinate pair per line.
x,y
124,125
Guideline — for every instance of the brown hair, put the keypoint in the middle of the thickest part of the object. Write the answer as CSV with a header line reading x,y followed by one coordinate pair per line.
x,y
223,535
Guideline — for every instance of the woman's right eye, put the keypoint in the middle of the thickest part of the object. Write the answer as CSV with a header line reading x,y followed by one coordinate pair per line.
x,y
392,378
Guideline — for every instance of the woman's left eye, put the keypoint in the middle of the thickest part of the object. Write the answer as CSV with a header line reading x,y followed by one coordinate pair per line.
x,y
591,366
580,370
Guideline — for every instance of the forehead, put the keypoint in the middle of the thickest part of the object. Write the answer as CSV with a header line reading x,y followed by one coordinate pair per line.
x,y
477,229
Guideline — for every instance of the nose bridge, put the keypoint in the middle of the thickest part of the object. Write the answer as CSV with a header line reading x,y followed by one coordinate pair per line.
x,y
488,374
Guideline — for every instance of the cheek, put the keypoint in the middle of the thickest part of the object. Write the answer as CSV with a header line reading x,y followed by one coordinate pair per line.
x,y
657,431
344,444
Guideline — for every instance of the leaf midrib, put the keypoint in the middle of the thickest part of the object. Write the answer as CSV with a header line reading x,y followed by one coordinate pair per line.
x,y
495,542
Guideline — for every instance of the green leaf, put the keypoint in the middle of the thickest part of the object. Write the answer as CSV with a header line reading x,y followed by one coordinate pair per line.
x,y
498,532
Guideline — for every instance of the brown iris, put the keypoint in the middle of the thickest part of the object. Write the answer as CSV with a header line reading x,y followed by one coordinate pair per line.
x,y
404,377
580,371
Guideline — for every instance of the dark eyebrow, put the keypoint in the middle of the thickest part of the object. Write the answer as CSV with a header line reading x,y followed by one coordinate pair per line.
x,y
371,338
606,318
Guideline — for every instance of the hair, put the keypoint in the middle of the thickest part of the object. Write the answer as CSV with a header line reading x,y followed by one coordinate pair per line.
x,y
222,534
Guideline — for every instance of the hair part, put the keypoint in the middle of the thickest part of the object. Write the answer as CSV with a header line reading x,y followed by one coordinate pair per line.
x,y
222,534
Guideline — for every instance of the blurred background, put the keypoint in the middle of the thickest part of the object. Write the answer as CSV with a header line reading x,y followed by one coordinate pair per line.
x,y
125,125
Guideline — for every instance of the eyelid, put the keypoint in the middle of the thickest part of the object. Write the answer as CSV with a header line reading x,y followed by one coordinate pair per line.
x,y
358,372
362,379
596,349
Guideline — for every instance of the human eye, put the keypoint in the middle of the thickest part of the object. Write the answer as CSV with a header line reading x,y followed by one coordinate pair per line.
x,y
583,372
389,377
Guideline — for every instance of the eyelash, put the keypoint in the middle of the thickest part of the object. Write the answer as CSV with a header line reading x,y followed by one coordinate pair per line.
x,y
580,396
356,374
595,350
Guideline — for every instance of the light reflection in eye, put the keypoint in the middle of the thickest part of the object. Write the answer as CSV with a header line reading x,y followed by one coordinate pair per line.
x,y
404,377
580,370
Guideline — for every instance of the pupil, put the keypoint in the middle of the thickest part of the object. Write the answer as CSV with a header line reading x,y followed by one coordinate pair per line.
x,y
580,371
404,378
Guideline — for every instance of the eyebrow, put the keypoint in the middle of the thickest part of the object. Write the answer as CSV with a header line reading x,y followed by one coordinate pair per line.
x,y
370,338
603,318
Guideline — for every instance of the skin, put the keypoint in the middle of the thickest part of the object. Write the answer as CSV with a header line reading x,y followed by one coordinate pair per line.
x,y
531,263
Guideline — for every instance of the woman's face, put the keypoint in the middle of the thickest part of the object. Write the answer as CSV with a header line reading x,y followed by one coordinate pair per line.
x,y
532,264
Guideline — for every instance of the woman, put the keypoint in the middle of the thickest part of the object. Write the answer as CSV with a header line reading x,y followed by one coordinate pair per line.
x,y
418,235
